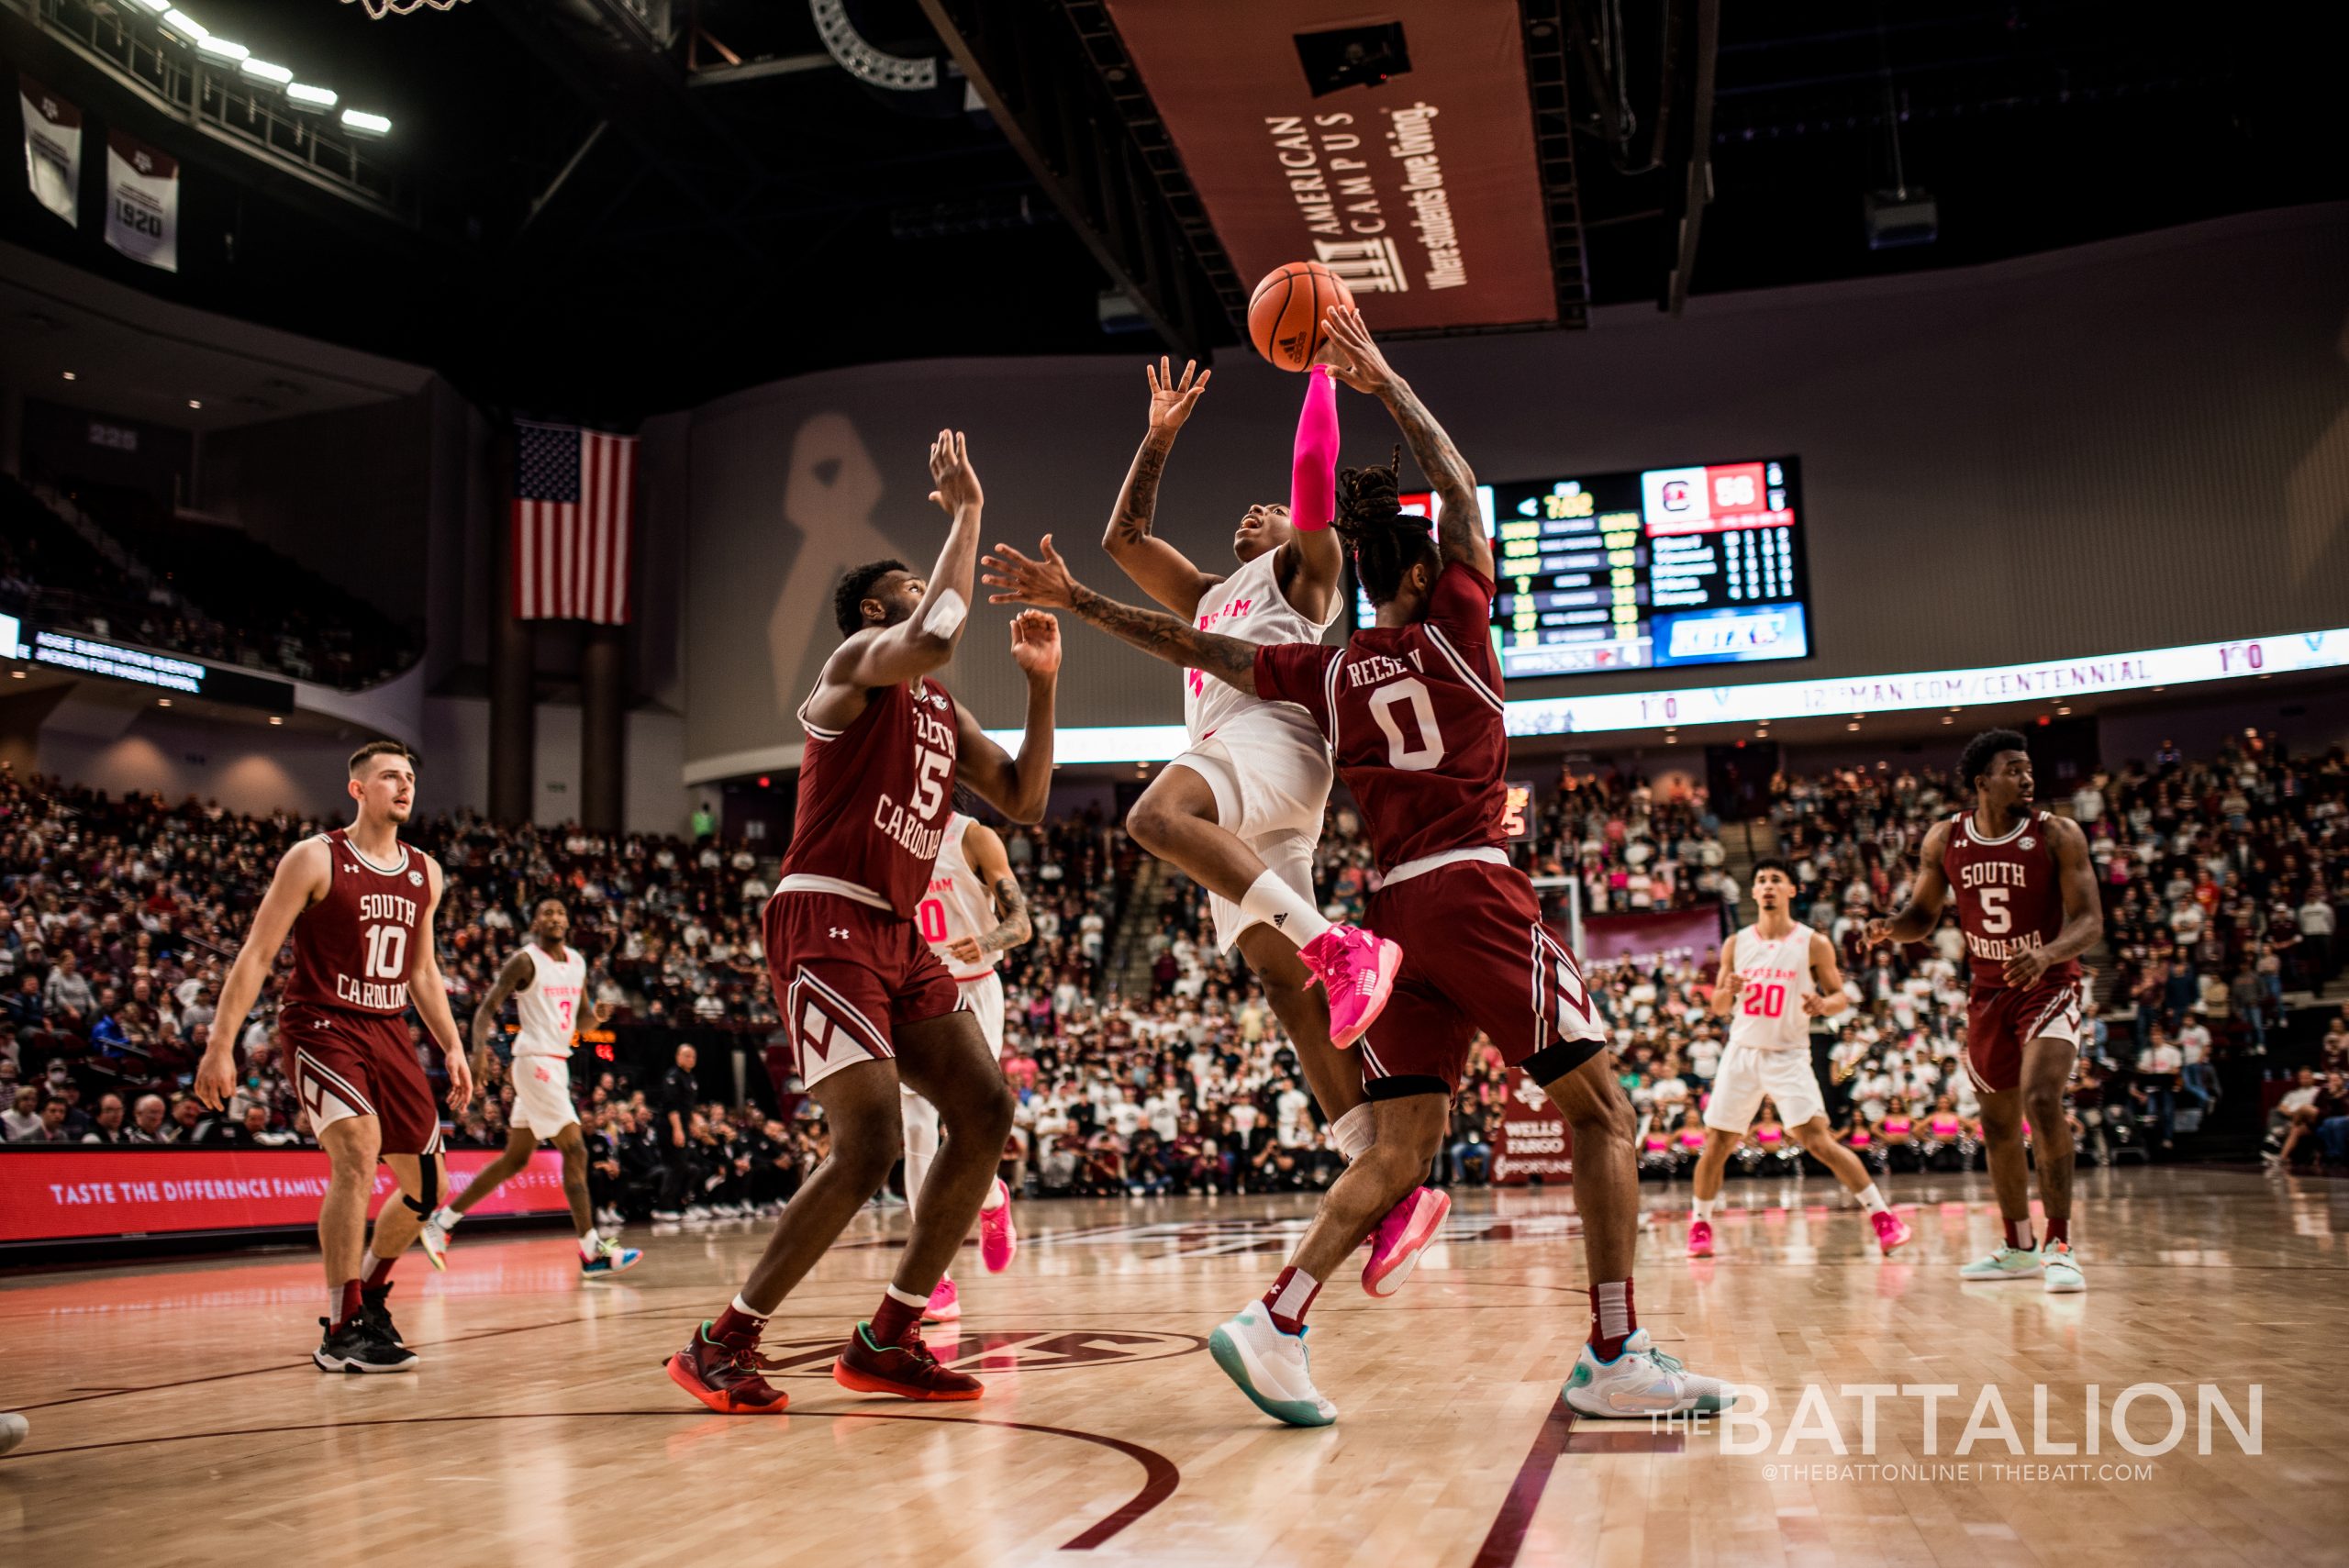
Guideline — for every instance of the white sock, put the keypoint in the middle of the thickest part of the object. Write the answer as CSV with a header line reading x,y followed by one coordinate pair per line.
x,y
997,1196
1281,906
1351,1133
1873,1200
747,1310
588,1242
446,1217
334,1304
1704,1206
904,1297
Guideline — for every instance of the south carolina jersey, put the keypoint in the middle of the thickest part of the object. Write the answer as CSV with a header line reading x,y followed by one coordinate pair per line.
x,y
1413,717
2009,896
956,906
1769,1015
355,948
1249,604
874,798
549,1006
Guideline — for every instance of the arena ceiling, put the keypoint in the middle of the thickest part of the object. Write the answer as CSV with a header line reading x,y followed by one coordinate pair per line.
x,y
611,207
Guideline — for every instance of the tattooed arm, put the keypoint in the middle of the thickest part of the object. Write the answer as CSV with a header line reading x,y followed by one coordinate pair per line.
x,y
1048,583
1459,523
1158,569
983,848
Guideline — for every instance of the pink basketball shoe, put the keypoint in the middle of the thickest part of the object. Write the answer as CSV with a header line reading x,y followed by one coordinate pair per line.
x,y
945,1305
1401,1237
1358,969
1700,1237
1891,1230
997,1239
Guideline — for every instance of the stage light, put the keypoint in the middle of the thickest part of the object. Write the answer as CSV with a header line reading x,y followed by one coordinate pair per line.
x,y
266,72
274,719
71,376
196,403
188,27
162,702
305,97
222,48
364,123
158,6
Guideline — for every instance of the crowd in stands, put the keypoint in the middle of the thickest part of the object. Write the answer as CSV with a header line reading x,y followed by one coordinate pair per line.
x,y
202,590
1164,1071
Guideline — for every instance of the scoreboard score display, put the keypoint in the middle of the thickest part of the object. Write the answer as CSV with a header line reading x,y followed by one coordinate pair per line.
x,y
1649,569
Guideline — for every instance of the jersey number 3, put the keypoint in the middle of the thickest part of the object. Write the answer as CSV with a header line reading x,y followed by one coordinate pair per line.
x,y
1409,756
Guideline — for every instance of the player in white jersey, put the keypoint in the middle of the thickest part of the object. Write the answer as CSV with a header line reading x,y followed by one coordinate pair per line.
x,y
1776,975
548,982
971,917
1240,809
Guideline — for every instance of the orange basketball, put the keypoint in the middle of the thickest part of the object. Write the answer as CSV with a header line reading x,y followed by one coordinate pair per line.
x,y
1284,313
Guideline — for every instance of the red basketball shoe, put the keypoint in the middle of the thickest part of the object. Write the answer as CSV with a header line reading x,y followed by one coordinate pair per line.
x,y
725,1377
906,1369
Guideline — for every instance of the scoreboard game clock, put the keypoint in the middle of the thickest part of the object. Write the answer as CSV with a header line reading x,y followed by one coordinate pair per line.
x,y
1649,569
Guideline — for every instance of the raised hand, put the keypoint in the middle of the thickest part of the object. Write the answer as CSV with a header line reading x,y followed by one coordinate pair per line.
x,y
1024,582
1351,355
1036,644
956,482
1171,401
1879,932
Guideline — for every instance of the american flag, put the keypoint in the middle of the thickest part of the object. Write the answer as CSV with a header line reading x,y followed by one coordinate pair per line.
x,y
574,508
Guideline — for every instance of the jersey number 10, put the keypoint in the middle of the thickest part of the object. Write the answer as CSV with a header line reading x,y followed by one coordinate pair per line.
x,y
386,951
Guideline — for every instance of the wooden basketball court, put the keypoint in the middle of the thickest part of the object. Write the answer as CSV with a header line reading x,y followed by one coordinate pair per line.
x,y
176,1417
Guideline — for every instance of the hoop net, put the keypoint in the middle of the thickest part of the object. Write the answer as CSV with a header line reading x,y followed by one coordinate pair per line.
x,y
379,9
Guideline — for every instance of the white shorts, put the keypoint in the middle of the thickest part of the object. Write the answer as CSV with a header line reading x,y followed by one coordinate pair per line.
x,y
1270,789
1747,1075
984,998
542,1095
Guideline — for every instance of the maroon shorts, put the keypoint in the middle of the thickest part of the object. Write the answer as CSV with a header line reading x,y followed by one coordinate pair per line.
x,y
2000,1020
845,975
345,1064
1476,959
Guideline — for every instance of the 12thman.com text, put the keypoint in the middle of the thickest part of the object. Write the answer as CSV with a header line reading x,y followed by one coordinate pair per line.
x,y
2068,1430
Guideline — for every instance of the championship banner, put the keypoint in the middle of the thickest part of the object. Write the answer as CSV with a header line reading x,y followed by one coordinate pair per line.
x,y
1675,936
80,1192
52,148
1531,1138
142,202
1421,192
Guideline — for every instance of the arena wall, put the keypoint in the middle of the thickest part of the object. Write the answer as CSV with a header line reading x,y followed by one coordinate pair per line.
x,y
2101,449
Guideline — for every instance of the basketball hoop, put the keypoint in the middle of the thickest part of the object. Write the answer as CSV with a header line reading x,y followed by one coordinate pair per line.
x,y
379,9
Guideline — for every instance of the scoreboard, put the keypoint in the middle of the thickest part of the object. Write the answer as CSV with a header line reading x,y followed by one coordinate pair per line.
x,y
1654,568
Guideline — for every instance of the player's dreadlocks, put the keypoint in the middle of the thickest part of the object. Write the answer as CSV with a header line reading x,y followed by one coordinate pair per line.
x,y
1387,541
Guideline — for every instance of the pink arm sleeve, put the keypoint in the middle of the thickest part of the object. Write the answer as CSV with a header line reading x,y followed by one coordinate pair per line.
x,y
1313,470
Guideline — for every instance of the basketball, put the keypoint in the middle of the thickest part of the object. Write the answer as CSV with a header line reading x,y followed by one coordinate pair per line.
x,y
1284,313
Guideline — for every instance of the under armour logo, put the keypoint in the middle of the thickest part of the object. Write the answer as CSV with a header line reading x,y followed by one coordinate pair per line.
x,y
840,933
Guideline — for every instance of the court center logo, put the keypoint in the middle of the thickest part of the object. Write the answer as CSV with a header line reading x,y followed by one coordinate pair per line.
x,y
999,1350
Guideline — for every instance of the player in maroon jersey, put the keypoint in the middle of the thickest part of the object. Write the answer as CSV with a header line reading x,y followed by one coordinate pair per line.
x,y
2027,901
359,905
1412,712
864,1001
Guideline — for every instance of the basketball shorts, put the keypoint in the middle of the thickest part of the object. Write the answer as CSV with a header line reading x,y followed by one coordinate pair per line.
x,y
845,975
542,1095
1476,959
1271,784
344,1064
982,997
1746,1077
2001,1019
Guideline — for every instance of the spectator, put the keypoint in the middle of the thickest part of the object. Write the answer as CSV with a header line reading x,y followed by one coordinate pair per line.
x,y
108,1125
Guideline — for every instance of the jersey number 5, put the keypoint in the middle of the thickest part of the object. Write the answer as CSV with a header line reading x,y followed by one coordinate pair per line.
x,y
1428,752
1995,916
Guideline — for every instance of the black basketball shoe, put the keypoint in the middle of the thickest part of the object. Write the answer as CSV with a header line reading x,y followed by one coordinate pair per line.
x,y
375,1310
356,1347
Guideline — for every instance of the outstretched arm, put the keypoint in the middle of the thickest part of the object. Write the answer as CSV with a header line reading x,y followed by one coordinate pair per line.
x,y
1158,569
924,641
1313,561
1048,583
1017,786
1460,524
